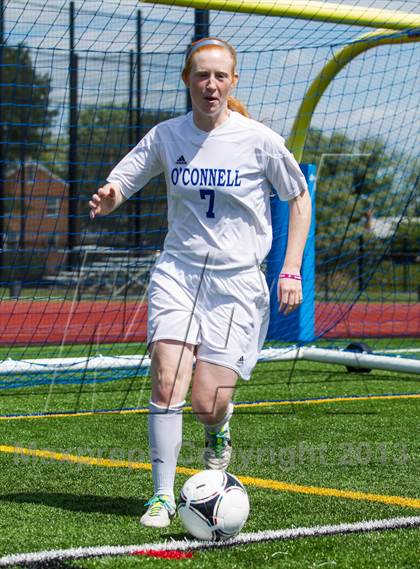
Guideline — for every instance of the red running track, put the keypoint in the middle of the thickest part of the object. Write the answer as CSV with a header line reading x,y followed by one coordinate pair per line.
x,y
64,322
367,319
56,322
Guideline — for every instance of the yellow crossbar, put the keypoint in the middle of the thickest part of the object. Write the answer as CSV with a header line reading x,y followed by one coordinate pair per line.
x,y
308,10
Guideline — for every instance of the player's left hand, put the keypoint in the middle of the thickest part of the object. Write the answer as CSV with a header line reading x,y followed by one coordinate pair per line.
x,y
289,294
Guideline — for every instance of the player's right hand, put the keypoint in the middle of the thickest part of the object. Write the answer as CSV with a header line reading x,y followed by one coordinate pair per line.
x,y
105,200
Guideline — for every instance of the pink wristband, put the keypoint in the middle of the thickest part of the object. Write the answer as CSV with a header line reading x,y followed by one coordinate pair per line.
x,y
287,276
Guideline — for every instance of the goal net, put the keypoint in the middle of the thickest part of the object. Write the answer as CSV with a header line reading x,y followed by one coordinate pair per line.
x,y
81,83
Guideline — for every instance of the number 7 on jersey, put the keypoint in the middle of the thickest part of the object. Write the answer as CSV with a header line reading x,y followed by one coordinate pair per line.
x,y
204,193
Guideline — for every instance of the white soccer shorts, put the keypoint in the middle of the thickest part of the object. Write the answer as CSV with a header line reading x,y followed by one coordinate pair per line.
x,y
224,313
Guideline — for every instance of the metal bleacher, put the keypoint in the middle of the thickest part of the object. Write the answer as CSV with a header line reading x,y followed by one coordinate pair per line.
x,y
114,273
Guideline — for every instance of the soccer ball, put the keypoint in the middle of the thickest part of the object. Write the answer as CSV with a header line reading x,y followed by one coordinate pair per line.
x,y
213,505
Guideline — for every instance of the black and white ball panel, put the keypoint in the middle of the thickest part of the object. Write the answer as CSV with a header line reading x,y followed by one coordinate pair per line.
x,y
213,505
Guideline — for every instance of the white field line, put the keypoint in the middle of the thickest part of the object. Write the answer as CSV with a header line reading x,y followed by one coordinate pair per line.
x,y
194,545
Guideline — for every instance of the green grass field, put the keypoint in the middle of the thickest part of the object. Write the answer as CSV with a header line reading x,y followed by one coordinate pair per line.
x,y
356,447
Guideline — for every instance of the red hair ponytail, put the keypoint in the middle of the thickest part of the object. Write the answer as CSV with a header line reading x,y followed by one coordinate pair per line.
x,y
236,105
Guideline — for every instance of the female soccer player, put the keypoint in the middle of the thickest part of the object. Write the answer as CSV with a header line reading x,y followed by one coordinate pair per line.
x,y
207,295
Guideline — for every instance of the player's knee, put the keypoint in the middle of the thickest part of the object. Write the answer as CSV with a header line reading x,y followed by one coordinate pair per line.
x,y
168,388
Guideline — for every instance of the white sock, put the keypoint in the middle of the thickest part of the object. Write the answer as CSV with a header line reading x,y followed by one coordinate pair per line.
x,y
219,426
165,440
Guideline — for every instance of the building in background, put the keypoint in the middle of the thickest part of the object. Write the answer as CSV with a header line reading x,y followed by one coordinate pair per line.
x,y
36,218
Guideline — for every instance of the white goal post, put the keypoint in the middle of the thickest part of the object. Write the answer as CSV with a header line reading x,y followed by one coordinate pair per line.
x,y
356,360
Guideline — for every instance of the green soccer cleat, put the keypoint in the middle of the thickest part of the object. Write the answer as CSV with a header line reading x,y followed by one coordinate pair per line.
x,y
161,509
218,448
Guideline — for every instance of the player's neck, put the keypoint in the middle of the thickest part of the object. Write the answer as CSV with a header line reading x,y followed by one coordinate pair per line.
x,y
209,122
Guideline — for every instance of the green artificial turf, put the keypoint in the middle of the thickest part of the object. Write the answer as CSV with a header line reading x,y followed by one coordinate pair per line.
x,y
366,445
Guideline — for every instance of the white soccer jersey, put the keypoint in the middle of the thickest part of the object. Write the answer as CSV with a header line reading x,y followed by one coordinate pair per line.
x,y
218,187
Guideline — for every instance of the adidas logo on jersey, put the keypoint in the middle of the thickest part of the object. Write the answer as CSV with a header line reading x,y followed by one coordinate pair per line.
x,y
181,160
240,361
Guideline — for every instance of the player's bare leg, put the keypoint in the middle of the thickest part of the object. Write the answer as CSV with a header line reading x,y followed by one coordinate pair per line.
x,y
171,370
211,399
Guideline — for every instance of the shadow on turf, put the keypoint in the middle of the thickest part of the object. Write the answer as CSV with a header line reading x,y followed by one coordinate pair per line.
x,y
81,503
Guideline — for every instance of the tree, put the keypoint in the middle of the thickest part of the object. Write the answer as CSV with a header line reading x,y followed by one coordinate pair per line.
x,y
355,183
26,98
103,139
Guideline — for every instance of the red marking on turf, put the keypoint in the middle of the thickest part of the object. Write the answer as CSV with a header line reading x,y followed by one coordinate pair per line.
x,y
63,322
175,554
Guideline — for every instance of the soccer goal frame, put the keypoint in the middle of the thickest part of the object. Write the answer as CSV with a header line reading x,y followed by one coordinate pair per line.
x,y
393,27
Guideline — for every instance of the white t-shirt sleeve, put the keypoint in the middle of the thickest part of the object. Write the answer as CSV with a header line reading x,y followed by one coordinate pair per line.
x,y
140,165
282,170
